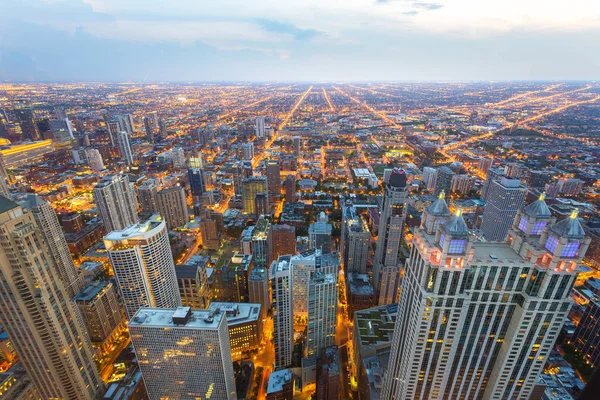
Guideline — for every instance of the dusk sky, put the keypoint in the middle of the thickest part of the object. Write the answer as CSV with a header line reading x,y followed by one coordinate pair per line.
x,y
299,40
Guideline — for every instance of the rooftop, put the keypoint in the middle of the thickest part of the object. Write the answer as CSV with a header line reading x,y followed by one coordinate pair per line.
x,y
163,318
277,379
237,313
91,291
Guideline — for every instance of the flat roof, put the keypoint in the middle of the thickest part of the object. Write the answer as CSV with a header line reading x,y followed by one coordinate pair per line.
x,y
277,379
163,318
237,313
91,291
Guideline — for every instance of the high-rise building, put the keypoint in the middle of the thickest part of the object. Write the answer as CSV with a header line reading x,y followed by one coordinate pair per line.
x,y
260,127
146,194
62,129
303,265
50,229
142,261
196,181
505,197
319,234
389,242
250,188
493,174
586,338
183,353
125,147
280,275
172,206
244,323
354,242
485,164
36,312
100,309
163,131
284,240
95,160
320,322
322,311
262,244
178,157
443,180
25,116
478,319
195,161
462,184
125,122
149,127
259,289
112,127
429,177
513,170
290,189
192,279
209,232
297,141
248,149
261,205
115,199
274,179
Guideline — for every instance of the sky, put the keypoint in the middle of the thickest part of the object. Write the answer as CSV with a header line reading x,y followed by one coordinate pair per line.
x,y
298,40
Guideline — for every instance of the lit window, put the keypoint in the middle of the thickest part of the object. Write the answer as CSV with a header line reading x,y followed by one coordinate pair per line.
x,y
437,223
538,227
523,223
551,243
442,239
570,249
457,246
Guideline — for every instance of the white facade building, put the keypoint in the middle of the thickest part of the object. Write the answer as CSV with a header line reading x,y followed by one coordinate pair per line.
x,y
142,261
115,199
260,127
95,160
125,147
477,320
183,353
280,276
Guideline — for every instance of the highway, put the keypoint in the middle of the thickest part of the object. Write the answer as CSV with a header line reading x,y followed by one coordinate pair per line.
x,y
371,109
331,107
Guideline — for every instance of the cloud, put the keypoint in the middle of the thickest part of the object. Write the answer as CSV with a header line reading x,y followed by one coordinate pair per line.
x,y
427,6
279,27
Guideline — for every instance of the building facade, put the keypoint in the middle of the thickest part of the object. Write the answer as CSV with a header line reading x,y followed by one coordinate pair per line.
x,y
172,206
504,198
478,320
183,353
115,199
141,258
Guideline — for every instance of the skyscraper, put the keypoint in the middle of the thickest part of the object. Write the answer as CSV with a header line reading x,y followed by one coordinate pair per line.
x,y
100,309
149,128
319,234
262,245
115,199
172,206
505,198
477,319
112,127
290,188
24,113
50,229
303,265
354,242
183,353
248,149
37,314
95,160
297,141
125,122
250,188
280,275
259,289
284,240
443,180
142,261
492,174
196,181
260,127
146,194
322,311
125,147
391,225
274,179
